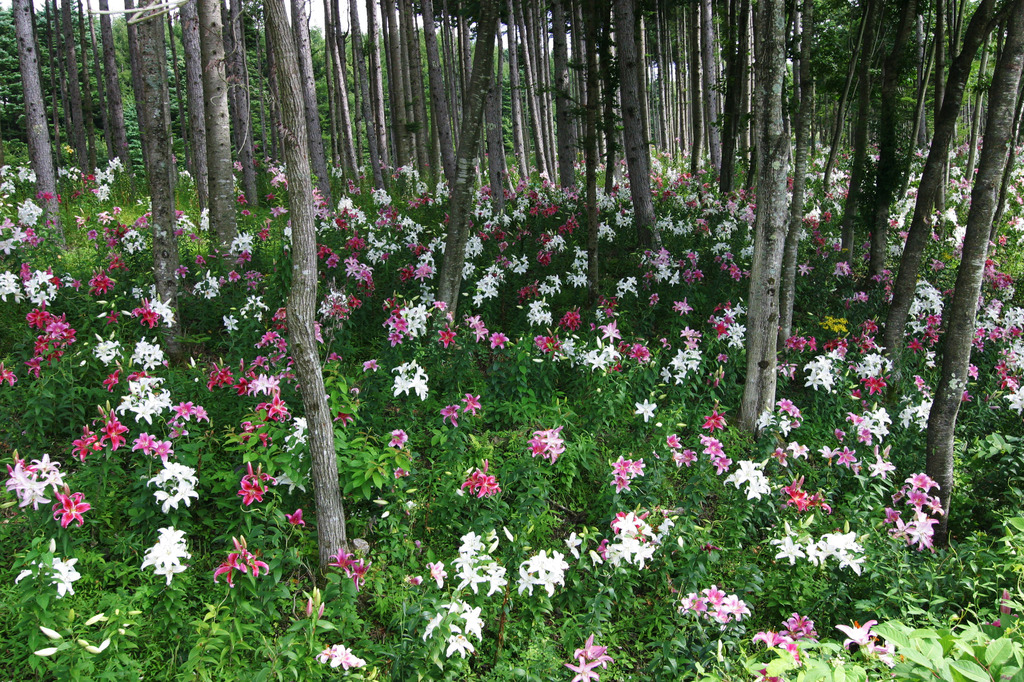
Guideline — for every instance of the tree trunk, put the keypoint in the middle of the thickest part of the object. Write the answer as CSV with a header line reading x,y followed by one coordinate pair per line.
x,y
101,100
770,220
979,98
858,172
496,141
239,92
221,194
372,138
894,144
74,89
375,73
787,294
540,149
566,131
904,287
87,109
710,85
518,115
317,158
461,204
303,295
592,18
155,128
736,76
851,73
610,83
442,116
194,91
961,314
39,150
177,91
347,128
696,106
638,157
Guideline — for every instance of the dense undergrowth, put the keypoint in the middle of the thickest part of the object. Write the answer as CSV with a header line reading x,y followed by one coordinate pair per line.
x,y
519,477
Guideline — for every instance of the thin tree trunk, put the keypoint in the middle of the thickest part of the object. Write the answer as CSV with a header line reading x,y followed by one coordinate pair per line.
x,y
851,74
59,103
566,131
118,136
376,85
442,116
155,127
495,141
696,108
979,98
592,18
101,100
787,293
609,81
317,158
905,285
78,140
39,150
194,91
518,115
239,79
770,220
372,137
461,205
330,512
177,91
893,146
1015,138
637,150
540,149
960,317
221,194
710,85
347,128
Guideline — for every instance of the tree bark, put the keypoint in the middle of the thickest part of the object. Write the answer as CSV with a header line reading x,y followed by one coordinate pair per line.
x,y
770,220
194,92
787,294
442,116
592,18
840,119
961,314
74,89
461,204
375,73
101,99
39,150
218,124
980,26
518,115
696,106
638,157
496,142
372,138
710,85
565,130
317,158
239,92
979,98
155,128
302,297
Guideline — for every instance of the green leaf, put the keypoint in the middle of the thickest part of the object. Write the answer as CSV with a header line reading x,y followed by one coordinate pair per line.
x,y
998,651
971,670
1017,522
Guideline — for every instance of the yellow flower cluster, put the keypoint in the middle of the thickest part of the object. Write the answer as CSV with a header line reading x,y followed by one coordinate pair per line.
x,y
834,324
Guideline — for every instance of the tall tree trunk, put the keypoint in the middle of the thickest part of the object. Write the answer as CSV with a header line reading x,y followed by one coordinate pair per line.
x,y
74,89
904,287
413,78
177,91
194,91
101,100
39,150
59,101
375,73
1016,139
894,145
496,141
961,314
302,298
592,17
155,127
221,194
710,85
610,82
565,130
461,204
923,72
347,128
696,106
518,115
372,138
442,116
840,120
736,76
318,160
770,220
396,89
86,81
118,136
979,98
239,79
787,294
540,149
638,157
858,172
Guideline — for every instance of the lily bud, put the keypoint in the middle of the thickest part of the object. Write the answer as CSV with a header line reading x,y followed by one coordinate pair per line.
x,y
52,634
48,651
97,618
